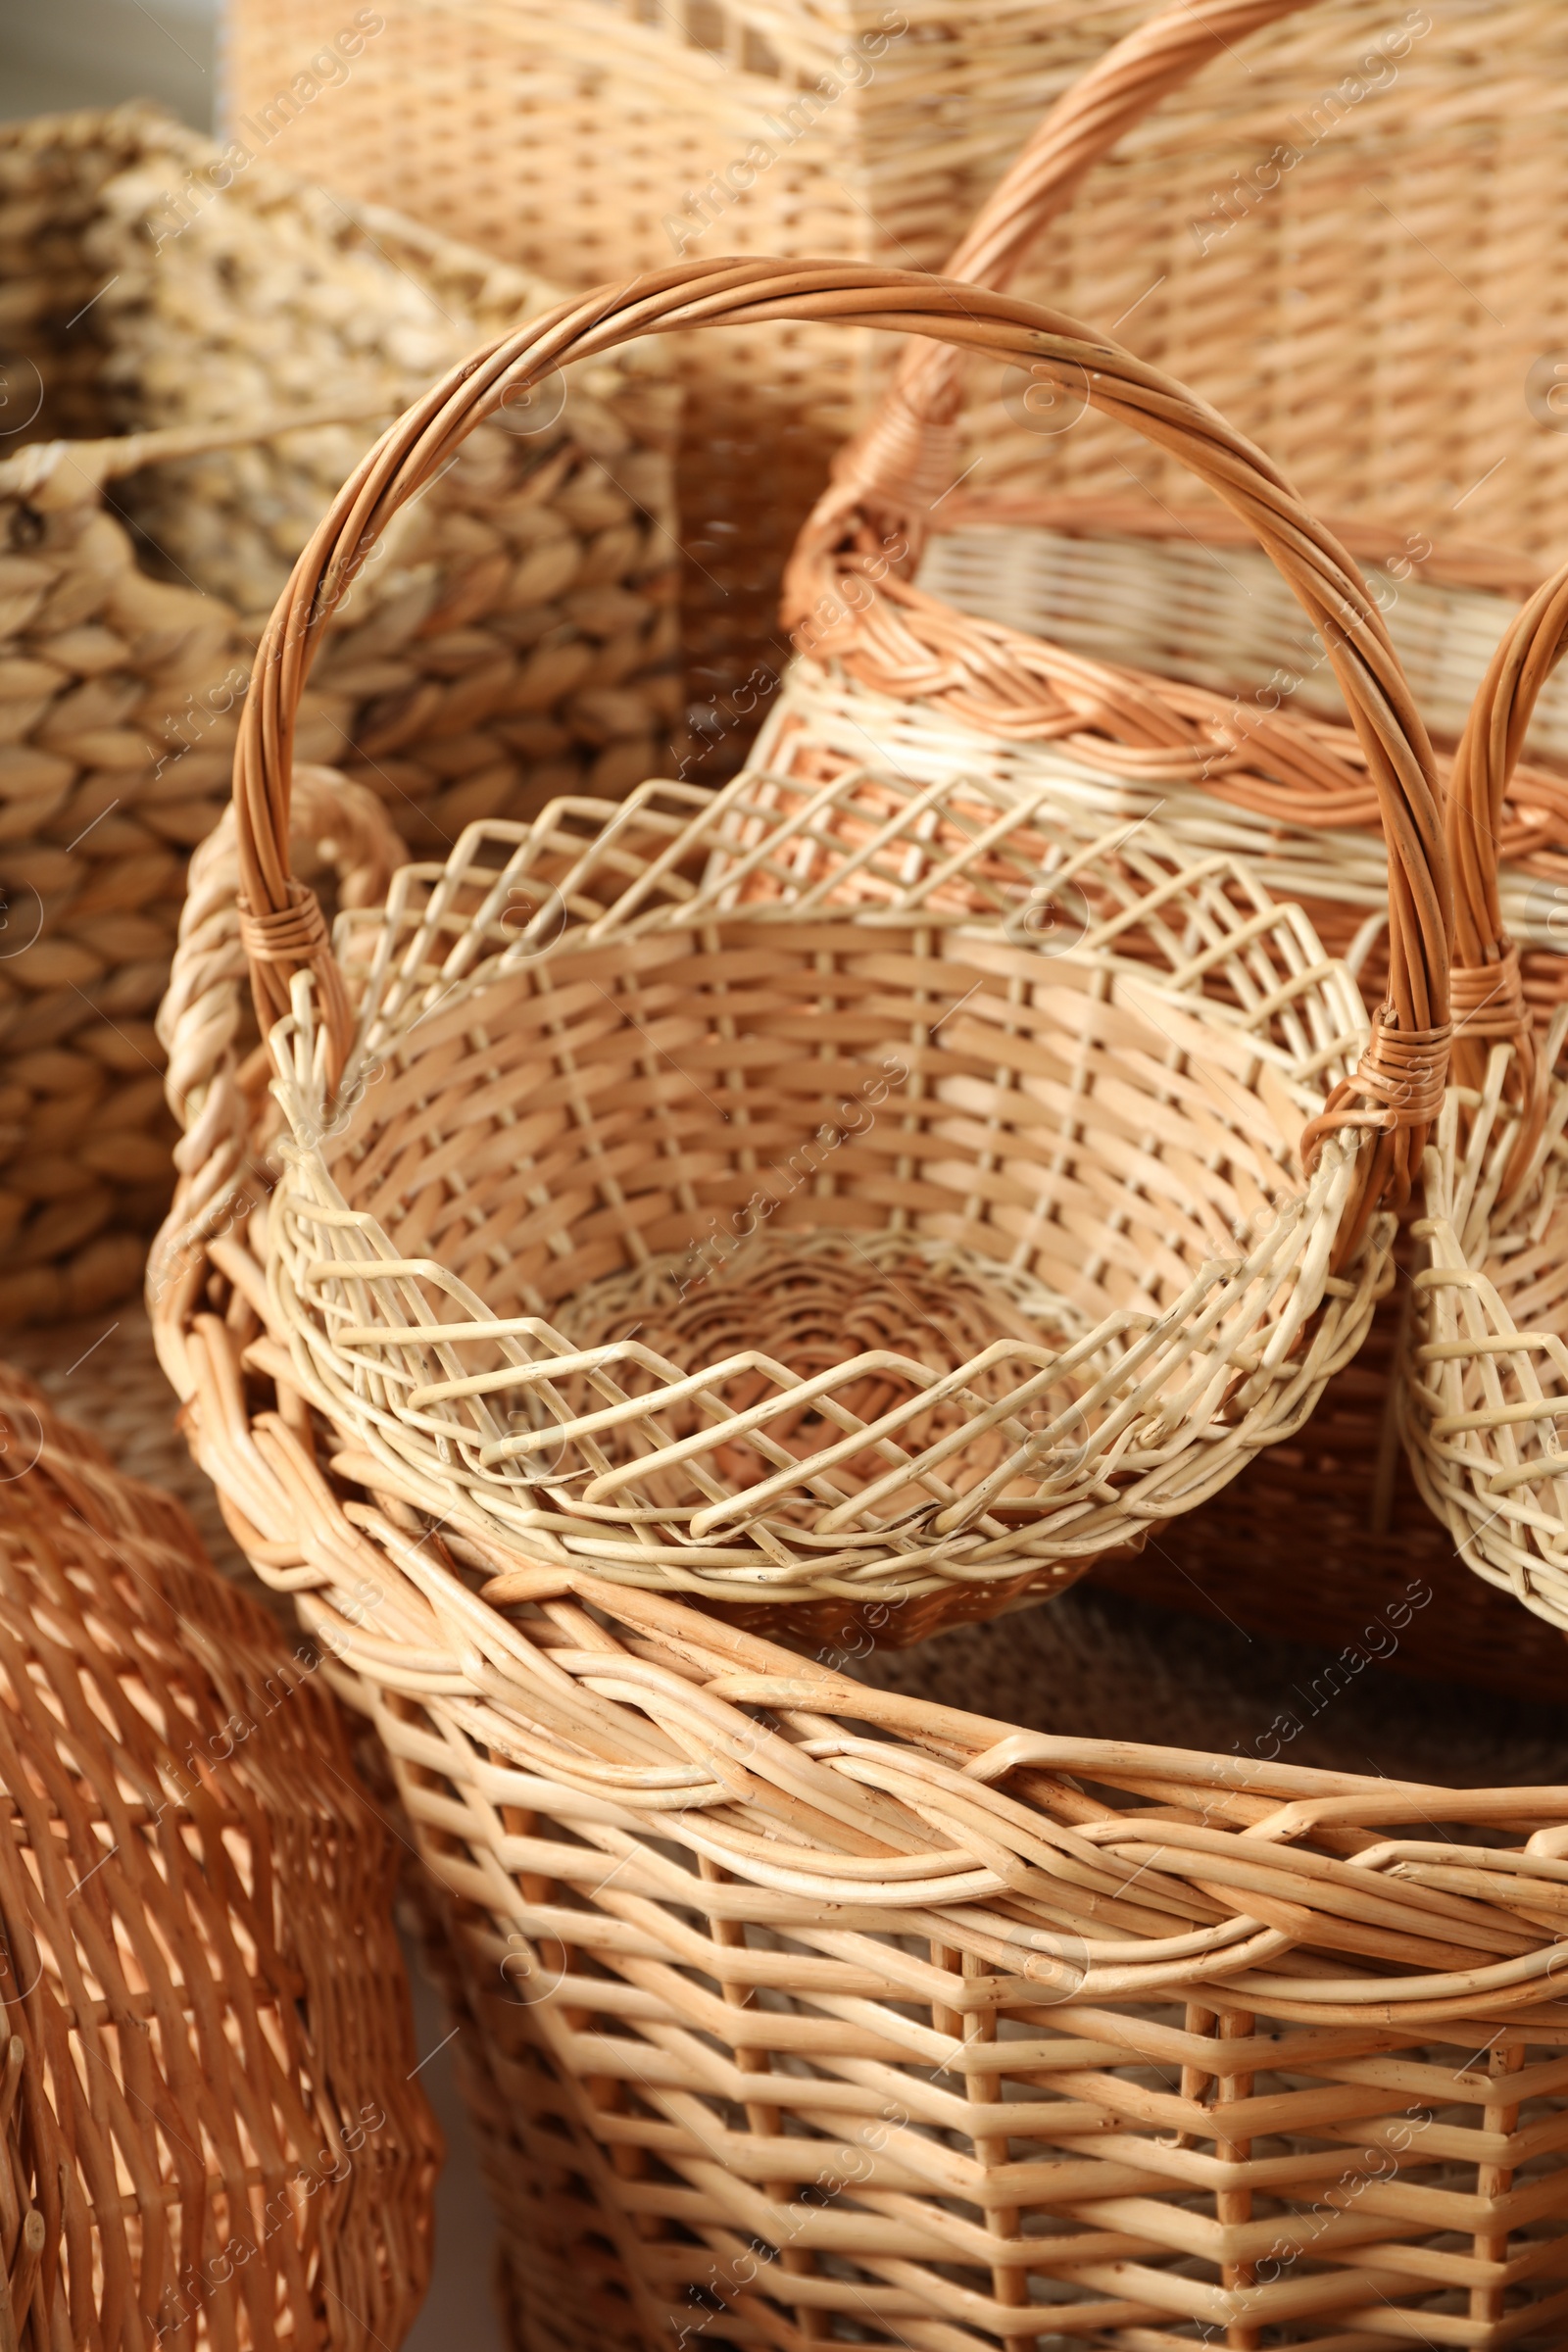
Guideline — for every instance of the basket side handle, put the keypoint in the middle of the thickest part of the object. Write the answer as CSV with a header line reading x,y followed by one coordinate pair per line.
x,y
1400,1079
904,458
1488,989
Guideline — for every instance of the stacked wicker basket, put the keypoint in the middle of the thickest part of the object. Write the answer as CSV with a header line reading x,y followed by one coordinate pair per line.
x,y
824,2010
657,1239
589,141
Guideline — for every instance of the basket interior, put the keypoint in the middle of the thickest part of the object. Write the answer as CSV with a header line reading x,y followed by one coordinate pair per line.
x,y
952,1179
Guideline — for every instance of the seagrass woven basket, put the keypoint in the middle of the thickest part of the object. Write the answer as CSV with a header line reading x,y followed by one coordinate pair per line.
x,y
588,139
212,2134
1131,1193
1485,1398
159,330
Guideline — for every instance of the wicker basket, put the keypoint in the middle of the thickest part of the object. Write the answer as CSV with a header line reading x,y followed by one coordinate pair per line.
x,y
211,2130
898,673
1485,1398
589,139
1084,1167
516,642
1030,524
801,2007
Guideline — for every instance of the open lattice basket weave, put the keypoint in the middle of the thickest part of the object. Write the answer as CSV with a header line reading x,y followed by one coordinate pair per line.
x,y
1089,1171
211,2135
1488,1385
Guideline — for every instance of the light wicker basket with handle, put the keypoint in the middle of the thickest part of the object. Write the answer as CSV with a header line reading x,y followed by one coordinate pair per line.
x,y
172,354
1484,1403
1086,1169
213,2132
1018,638
896,676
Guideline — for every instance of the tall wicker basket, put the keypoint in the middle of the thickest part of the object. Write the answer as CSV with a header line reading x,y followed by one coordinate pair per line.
x,y
157,332
213,2132
589,139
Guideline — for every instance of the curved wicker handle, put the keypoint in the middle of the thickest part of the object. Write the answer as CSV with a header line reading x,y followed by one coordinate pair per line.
x,y
282,926
1488,991
902,460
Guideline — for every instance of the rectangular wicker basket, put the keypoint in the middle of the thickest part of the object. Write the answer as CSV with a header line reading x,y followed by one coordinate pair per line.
x,y
593,138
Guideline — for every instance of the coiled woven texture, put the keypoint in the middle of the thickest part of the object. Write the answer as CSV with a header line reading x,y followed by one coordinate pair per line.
x,y
215,2138
206,355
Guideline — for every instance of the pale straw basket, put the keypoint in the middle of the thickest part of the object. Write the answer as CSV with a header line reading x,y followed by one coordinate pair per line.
x,y
212,2129
1104,1346
167,343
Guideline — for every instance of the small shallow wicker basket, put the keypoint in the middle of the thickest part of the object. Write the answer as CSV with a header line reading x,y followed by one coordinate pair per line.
x,y
1486,1390
212,2134
1081,1172
515,642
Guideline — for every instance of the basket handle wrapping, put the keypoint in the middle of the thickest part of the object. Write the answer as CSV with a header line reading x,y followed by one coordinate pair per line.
x,y
1399,1083
1487,998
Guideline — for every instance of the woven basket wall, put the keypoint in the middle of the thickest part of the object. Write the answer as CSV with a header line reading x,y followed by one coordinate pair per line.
x,y
212,2131
587,140
1384,317
514,642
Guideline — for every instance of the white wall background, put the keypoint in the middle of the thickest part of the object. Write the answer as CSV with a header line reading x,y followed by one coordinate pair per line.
x,y
56,54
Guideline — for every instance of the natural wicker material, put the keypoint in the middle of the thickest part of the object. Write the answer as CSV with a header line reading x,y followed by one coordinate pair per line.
x,y
216,2137
760,1954
1484,1400
589,141
1132,580
515,1141
514,642
1214,615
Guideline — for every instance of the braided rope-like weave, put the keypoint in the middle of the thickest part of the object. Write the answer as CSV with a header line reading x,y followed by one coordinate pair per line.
x,y
516,641
814,2006
216,2128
